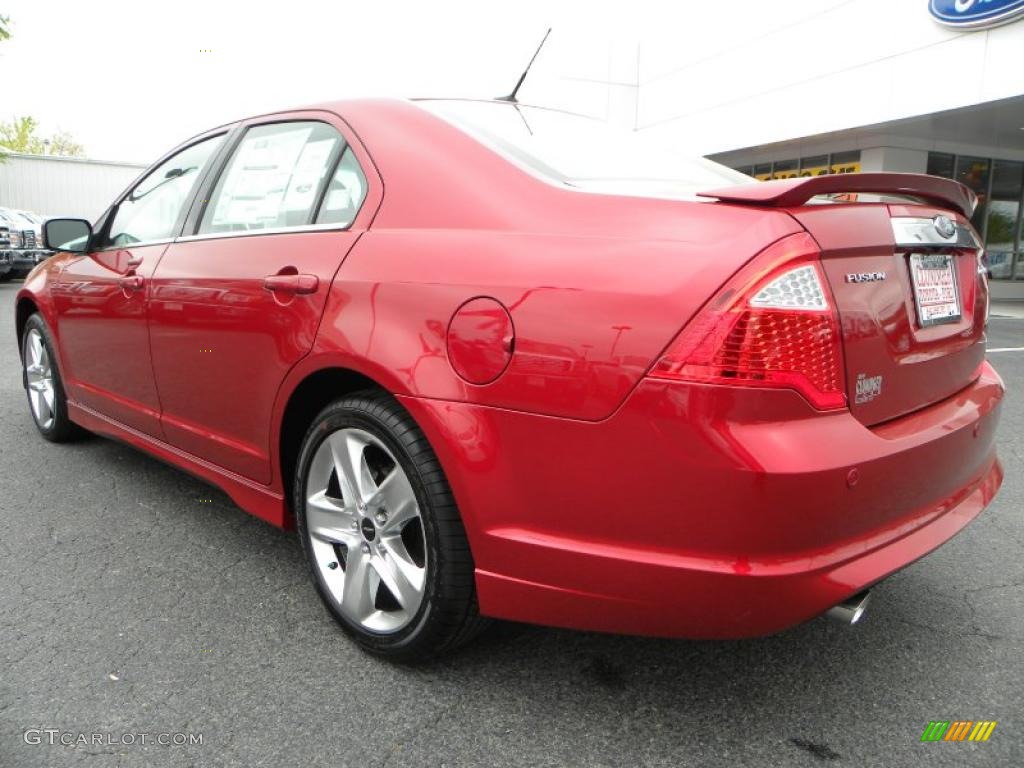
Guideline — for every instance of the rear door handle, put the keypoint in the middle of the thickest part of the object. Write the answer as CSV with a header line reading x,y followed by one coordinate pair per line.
x,y
293,284
131,282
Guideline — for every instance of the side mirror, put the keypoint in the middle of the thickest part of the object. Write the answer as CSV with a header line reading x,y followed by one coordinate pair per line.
x,y
67,235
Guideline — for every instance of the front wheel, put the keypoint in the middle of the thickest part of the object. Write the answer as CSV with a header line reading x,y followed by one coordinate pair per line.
x,y
43,383
381,532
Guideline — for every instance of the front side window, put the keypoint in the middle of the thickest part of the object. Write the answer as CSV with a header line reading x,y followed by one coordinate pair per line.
x,y
152,209
274,179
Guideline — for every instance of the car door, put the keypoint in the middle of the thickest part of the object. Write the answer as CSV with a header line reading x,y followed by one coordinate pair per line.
x,y
100,297
236,303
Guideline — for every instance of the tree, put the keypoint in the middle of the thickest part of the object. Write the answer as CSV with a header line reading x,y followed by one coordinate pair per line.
x,y
1001,222
19,135
62,143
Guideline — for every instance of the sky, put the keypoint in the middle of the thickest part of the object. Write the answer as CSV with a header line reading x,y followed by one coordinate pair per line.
x,y
130,80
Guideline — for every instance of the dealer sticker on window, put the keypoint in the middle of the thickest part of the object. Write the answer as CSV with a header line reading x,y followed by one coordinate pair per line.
x,y
933,276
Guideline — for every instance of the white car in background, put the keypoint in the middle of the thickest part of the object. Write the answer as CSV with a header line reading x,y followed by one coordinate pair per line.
x,y
25,237
5,250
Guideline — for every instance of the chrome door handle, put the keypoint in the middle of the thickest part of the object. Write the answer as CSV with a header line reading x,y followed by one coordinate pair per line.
x,y
131,282
294,284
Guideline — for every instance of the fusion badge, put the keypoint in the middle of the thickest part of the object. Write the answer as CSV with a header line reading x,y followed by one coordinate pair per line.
x,y
864,277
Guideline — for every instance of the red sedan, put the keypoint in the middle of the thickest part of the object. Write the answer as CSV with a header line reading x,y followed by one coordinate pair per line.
x,y
499,361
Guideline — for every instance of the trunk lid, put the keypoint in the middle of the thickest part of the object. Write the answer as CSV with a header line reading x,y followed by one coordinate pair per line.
x,y
892,269
889,272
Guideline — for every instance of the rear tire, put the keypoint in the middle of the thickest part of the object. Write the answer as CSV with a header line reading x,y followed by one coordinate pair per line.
x,y
43,384
381,532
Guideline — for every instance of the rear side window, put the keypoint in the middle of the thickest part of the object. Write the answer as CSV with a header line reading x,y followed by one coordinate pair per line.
x,y
275,179
152,209
345,193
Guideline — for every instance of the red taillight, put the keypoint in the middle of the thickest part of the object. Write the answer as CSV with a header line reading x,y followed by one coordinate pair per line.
x,y
773,325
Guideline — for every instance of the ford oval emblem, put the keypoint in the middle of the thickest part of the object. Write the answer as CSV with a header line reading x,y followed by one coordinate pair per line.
x,y
975,14
944,226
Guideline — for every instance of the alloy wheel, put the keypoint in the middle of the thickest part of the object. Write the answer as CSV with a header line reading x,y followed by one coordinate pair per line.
x,y
366,531
39,377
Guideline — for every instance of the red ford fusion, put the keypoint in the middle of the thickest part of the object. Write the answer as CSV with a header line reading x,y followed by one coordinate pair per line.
x,y
494,360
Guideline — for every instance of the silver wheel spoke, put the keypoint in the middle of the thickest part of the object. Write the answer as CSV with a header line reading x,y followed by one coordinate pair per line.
x,y
45,406
36,347
37,404
48,397
328,520
356,598
349,452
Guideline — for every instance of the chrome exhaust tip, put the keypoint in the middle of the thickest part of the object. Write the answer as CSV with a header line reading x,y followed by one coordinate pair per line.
x,y
850,610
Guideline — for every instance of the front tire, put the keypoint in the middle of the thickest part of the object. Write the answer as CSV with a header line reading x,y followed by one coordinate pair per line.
x,y
381,531
41,377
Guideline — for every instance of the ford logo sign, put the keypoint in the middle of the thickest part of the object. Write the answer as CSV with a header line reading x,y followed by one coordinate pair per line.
x,y
975,14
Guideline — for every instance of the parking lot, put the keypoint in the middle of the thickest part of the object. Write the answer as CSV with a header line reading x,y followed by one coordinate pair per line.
x,y
135,599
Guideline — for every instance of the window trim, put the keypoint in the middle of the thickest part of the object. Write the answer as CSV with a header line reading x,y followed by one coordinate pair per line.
x,y
325,182
209,180
210,184
270,231
110,214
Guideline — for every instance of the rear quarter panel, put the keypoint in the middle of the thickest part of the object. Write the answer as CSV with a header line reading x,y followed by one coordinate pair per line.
x,y
590,313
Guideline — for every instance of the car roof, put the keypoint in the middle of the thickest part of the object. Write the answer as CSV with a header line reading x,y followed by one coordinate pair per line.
x,y
344,107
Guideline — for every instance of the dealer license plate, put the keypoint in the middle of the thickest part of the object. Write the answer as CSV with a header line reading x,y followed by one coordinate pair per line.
x,y
933,276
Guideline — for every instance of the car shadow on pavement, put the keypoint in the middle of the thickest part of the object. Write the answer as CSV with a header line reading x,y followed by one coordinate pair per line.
x,y
793,684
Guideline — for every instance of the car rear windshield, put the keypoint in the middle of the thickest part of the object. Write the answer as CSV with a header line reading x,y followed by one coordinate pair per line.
x,y
583,152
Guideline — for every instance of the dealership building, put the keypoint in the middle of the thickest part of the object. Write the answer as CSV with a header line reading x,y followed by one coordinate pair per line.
x,y
951,104
920,86
51,185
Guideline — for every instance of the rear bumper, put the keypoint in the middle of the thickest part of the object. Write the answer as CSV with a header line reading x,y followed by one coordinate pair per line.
x,y
700,511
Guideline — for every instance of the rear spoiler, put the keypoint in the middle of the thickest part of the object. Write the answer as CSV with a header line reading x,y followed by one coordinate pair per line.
x,y
785,193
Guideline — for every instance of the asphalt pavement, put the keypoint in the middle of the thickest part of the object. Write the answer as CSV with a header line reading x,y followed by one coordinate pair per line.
x,y
137,601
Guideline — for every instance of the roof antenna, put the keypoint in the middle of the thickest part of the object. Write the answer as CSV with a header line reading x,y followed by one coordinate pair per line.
x,y
512,96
